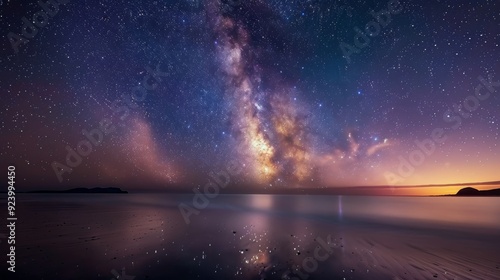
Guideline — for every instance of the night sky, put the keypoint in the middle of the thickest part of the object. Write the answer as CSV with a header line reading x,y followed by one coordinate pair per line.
x,y
296,93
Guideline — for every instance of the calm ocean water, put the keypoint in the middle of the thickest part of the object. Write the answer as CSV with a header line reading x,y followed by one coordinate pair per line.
x,y
465,211
256,237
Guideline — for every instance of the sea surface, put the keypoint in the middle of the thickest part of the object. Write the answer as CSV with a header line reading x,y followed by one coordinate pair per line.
x,y
145,236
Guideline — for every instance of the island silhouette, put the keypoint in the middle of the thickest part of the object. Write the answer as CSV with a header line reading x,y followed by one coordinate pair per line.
x,y
469,191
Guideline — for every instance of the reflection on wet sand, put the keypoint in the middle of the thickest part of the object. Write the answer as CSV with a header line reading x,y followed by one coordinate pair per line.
x,y
259,237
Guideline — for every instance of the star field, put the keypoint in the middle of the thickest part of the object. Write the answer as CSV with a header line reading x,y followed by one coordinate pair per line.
x,y
264,83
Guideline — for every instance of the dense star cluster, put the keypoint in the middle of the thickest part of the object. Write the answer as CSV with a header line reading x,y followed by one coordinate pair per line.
x,y
301,93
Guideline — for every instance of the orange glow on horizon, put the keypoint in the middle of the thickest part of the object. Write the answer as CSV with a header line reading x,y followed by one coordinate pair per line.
x,y
437,190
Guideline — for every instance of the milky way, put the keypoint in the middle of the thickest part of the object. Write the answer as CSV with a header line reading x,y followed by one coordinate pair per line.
x,y
265,83
270,131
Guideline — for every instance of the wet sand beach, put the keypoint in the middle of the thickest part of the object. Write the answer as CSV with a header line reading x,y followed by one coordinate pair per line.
x,y
256,237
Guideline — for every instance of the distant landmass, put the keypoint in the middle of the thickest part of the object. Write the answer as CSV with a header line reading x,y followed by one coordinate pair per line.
x,y
475,192
84,190
351,190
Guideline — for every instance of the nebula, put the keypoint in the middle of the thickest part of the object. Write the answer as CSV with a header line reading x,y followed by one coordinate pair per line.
x,y
140,157
291,129
263,83
248,123
146,156
269,128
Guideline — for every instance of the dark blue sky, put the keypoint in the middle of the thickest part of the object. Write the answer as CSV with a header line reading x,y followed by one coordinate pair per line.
x,y
263,83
